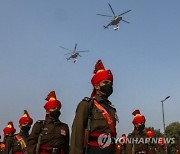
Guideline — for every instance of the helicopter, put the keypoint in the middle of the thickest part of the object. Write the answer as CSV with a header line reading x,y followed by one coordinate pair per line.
x,y
74,53
115,20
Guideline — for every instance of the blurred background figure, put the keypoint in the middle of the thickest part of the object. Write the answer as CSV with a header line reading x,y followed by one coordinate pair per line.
x,y
16,144
9,131
121,145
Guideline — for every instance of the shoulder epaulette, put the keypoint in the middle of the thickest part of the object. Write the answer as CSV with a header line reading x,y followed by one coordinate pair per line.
x,y
87,99
40,121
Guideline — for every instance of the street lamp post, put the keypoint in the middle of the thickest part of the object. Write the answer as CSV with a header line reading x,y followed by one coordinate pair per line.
x,y
163,114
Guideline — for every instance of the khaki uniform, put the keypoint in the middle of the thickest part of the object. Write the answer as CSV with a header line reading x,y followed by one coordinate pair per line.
x,y
97,124
54,139
13,144
138,144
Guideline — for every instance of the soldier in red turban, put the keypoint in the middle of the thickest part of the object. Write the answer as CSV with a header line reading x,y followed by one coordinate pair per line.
x,y
151,145
17,143
138,121
50,135
9,131
95,117
139,140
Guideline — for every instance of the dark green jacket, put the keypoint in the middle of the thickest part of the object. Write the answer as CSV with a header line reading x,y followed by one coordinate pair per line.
x,y
54,133
98,122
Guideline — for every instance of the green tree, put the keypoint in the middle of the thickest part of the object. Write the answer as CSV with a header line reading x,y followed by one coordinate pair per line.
x,y
173,131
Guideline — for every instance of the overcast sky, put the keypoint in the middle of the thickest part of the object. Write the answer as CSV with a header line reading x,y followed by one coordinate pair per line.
x,y
144,57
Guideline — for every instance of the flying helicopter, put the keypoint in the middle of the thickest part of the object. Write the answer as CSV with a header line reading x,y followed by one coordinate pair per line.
x,y
115,20
74,53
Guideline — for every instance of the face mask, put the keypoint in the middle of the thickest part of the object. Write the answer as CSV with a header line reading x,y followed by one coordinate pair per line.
x,y
55,114
141,127
25,129
107,89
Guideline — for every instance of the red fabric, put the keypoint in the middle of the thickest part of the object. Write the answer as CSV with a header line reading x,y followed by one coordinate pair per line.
x,y
46,147
96,134
138,119
102,75
9,129
26,119
18,152
52,104
150,133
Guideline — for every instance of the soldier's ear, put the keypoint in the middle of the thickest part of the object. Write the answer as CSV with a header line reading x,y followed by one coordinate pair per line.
x,y
97,87
47,112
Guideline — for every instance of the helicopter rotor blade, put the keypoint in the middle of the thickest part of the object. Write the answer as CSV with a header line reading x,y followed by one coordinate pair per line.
x,y
112,10
103,15
64,48
124,12
79,55
84,51
68,53
125,21
75,47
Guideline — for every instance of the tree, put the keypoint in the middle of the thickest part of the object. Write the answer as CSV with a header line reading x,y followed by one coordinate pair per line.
x,y
173,131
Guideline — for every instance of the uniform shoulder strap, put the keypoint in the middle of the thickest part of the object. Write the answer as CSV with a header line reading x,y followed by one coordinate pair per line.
x,y
42,123
107,117
21,141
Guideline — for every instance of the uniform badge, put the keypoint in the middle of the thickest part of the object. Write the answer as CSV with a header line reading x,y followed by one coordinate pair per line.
x,y
63,132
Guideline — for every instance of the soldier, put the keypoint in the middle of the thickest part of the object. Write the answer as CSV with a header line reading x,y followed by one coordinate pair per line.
x,y
16,144
2,146
136,143
151,146
94,125
9,131
121,145
49,136
161,147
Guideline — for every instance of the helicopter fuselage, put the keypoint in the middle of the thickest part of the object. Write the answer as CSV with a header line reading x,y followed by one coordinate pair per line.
x,y
74,55
116,20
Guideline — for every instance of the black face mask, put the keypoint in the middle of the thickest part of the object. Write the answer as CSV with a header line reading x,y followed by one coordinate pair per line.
x,y
107,89
25,129
55,114
141,127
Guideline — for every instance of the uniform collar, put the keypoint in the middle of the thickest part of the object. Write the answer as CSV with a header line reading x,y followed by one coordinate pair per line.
x,y
50,120
23,134
100,99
